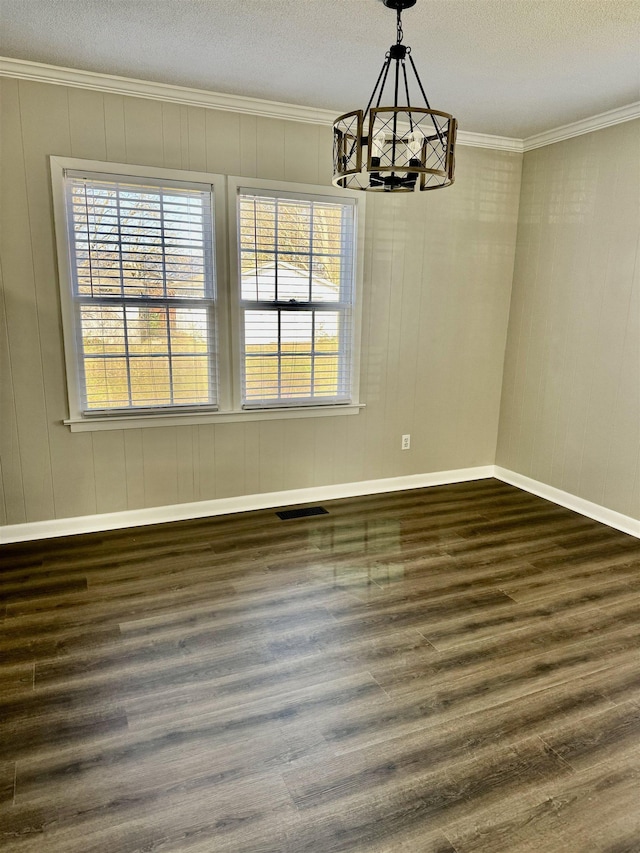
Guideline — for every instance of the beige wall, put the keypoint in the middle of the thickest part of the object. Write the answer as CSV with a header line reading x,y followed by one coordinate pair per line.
x,y
570,414
437,288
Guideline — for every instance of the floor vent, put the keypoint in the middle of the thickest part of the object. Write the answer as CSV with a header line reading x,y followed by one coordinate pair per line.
x,y
302,513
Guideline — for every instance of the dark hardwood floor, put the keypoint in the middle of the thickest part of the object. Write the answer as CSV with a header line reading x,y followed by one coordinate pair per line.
x,y
453,669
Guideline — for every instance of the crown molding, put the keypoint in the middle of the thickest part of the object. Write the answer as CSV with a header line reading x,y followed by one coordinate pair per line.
x,y
485,140
42,73
587,125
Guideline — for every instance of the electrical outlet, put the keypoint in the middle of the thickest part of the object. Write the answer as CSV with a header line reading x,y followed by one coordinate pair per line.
x,y
406,442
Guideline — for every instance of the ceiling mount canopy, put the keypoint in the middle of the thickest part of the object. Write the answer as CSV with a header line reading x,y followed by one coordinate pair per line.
x,y
398,148
399,4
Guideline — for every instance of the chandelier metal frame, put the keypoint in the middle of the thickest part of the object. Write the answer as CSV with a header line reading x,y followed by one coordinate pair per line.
x,y
397,148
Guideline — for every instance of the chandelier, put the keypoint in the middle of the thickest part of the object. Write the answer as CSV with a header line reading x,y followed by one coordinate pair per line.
x,y
397,148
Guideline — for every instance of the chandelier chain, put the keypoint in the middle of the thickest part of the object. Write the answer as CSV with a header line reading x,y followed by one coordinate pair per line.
x,y
400,33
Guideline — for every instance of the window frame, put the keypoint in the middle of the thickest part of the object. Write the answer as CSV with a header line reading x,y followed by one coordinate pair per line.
x,y
303,192
227,296
125,301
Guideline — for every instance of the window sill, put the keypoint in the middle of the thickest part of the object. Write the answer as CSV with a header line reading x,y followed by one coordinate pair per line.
x,y
193,418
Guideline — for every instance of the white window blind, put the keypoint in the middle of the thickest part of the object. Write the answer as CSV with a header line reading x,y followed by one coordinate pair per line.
x,y
296,298
143,283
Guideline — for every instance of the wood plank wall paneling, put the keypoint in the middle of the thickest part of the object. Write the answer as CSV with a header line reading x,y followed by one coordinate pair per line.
x,y
11,473
115,138
110,470
134,468
71,461
571,398
434,318
35,501
172,136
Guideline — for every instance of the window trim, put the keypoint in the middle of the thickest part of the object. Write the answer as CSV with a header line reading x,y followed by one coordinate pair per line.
x,y
227,284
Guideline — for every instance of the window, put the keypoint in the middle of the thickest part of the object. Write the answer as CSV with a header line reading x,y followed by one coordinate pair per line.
x,y
296,298
143,292
174,310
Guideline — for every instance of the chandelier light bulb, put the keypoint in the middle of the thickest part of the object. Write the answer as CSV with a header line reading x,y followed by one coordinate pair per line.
x,y
377,146
414,145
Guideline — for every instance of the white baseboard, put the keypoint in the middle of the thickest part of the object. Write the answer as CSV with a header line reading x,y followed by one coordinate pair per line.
x,y
625,523
224,506
243,503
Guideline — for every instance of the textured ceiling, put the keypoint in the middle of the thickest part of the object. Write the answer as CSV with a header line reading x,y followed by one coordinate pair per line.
x,y
506,67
